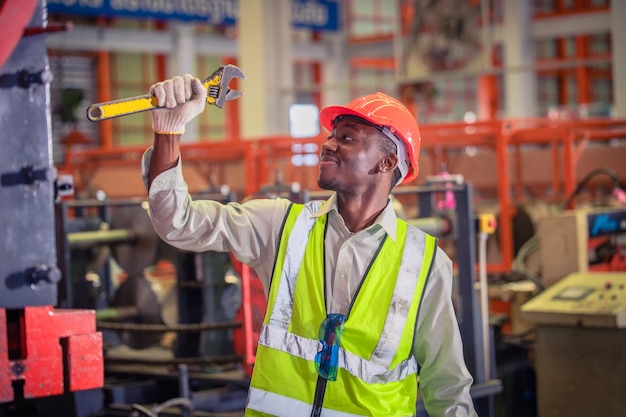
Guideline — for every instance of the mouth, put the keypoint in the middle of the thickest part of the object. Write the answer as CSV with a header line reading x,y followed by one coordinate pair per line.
x,y
326,160
327,163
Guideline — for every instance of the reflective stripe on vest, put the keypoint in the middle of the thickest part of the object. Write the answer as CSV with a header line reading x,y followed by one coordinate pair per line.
x,y
288,367
280,405
368,371
296,246
402,297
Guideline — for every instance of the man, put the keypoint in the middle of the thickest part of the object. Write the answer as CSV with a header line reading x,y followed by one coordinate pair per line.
x,y
359,302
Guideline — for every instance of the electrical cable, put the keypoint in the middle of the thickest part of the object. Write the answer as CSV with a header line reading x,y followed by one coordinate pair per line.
x,y
519,263
157,409
582,183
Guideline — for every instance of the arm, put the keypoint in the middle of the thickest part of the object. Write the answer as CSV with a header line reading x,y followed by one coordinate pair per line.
x,y
165,153
444,378
248,230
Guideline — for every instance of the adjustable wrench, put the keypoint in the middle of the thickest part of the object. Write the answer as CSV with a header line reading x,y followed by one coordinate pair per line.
x,y
217,93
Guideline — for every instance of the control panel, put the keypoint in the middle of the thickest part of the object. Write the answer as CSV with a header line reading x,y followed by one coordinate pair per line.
x,y
589,299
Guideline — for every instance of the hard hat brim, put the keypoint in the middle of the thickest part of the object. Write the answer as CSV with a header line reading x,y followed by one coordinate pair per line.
x,y
330,113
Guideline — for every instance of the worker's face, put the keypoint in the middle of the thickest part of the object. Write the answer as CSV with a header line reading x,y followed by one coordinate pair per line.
x,y
350,157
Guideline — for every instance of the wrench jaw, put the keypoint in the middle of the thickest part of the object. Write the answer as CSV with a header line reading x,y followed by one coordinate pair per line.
x,y
217,85
233,95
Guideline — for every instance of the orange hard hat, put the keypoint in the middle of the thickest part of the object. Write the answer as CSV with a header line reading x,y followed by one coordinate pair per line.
x,y
386,112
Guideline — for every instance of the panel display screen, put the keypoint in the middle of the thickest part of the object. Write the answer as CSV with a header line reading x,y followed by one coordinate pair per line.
x,y
574,293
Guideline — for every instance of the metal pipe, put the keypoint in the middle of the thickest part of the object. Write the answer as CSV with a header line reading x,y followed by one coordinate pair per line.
x,y
436,226
183,386
53,28
117,313
210,360
484,300
100,237
152,328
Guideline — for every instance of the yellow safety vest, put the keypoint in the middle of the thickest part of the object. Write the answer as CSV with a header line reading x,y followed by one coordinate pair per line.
x,y
377,373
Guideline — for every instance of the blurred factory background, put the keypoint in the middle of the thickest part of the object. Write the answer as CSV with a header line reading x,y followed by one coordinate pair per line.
x,y
522,110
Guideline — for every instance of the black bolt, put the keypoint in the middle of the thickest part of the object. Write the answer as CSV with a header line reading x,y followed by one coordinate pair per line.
x,y
26,78
18,368
39,273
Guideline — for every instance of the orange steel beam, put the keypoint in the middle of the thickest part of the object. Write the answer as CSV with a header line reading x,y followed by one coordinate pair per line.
x,y
489,91
208,151
519,175
356,40
572,12
451,141
569,166
580,146
376,63
262,169
487,96
469,135
538,135
407,98
563,74
556,168
251,187
551,66
582,71
407,12
104,94
504,196
161,59
604,134
581,5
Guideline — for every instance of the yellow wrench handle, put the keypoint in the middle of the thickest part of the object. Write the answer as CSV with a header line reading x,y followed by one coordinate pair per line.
x,y
122,107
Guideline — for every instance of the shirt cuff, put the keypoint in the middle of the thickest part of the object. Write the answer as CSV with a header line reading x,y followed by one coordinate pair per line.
x,y
145,165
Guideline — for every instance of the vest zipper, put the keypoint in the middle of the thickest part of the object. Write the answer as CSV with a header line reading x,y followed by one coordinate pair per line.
x,y
320,391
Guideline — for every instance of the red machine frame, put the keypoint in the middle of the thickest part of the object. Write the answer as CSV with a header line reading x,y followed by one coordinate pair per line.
x,y
49,351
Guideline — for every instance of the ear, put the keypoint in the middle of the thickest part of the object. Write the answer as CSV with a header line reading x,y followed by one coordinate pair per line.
x,y
388,163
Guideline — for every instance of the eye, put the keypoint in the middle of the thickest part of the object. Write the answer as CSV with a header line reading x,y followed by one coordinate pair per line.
x,y
342,134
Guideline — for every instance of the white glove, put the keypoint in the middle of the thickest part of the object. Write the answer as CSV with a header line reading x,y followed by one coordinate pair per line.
x,y
180,100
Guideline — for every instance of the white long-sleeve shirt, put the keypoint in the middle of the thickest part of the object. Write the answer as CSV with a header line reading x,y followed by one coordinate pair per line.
x,y
251,231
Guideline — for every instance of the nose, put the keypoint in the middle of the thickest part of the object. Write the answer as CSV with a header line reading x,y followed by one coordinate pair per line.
x,y
330,144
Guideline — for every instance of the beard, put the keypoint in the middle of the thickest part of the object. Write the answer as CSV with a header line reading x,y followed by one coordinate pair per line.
x,y
328,183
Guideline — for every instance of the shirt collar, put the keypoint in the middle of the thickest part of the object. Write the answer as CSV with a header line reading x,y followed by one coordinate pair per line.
x,y
387,218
